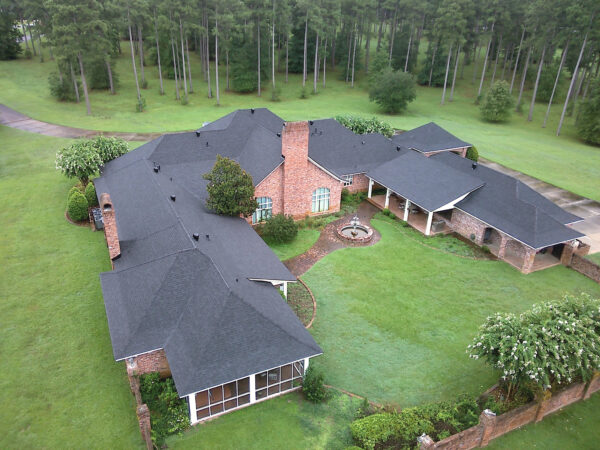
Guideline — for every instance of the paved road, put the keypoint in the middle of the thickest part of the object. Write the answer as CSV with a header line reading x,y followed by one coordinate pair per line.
x,y
15,119
583,207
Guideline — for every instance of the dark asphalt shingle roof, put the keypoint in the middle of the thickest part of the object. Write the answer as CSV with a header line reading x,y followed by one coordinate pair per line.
x,y
513,207
429,138
424,181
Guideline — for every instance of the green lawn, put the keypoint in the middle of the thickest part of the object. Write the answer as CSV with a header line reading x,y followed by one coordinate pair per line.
x,y
288,421
60,386
594,257
575,427
519,144
394,319
304,240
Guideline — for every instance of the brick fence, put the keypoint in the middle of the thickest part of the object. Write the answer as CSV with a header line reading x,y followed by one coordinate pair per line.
x,y
143,413
587,267
491,426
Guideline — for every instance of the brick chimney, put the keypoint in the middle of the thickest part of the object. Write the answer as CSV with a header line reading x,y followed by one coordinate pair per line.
x,y
294,148
110,226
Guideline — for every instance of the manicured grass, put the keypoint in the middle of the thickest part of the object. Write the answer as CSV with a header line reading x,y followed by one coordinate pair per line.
x,y
575,427
60,386
394,319
521,145
594,257
304,240
284,422
300,301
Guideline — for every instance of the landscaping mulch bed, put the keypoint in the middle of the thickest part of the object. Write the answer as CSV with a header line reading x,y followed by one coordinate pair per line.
x,y
301,302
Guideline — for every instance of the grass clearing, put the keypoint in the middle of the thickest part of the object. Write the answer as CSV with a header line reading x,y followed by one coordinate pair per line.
x,y
394,319
303,241
563,161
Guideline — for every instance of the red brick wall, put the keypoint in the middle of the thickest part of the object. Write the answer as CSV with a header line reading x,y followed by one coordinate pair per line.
x,y
155,361
110,226
586,267
300,176
466,225
271,186
360,182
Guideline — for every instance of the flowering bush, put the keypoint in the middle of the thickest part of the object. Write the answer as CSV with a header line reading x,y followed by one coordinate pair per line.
x,y
551,344
79,160
360,125
109,148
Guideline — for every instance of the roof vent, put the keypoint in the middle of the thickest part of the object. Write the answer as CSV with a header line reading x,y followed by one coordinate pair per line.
x,y
252,110
236,280
207,143
156,167
208,237
474,165
278,134
321,133
197,133
311,122
196,236
398,148
173,197
363,142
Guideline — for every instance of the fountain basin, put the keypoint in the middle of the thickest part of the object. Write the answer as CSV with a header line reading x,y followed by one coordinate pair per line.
x,y
355,233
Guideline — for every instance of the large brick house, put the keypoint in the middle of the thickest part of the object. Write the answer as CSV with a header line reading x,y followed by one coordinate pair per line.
x,y
195,295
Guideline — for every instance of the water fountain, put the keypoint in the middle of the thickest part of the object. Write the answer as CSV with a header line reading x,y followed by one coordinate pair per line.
x,y
355,231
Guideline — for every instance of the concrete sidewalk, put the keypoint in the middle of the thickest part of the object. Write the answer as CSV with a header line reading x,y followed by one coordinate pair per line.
x,y
15,119
583,207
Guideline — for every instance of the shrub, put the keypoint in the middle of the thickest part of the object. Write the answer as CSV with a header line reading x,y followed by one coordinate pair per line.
x,y
553,343
168,413
588,122
72,191
392,90
230,189
77,207
361,125
312,385
280,228
497,104
472,154
97,74
79,160
90,194
109,148
62,90
276,94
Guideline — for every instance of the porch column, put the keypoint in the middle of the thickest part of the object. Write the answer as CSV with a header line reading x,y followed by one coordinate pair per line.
x,y
192,404
370,187
285,289
306,362
502,248
387,198
406,209
429,219
252,388
528,260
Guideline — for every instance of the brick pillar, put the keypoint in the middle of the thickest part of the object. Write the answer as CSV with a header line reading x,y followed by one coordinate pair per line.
x,y
567,253
294,148
528,259
487,420
463,152
502,247
110,226
592,384
543,401
143,414
425,441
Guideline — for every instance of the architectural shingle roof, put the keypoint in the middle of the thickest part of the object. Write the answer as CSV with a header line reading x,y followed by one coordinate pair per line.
x,y
424,181
429,138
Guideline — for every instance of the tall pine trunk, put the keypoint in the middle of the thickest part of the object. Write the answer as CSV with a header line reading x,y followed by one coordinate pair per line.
x,y
562,116
316,68
185,88
110,77
523,77
25,34
349,53
273,52
207,56
512,82
84,84
137,84
354,54
162,91
217,58
537,82
408,50
305,44
367,49
393,35
227,68
174,69
454,74
475,58
506,52
324,61
446,76
496,61
31,39
487,54
435,49
74,82
287,60
141,51
187,53
258,46
560,66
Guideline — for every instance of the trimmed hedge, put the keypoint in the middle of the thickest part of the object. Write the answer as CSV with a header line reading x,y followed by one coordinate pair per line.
x,y
280,228
77,207
472,154
313,385
90,194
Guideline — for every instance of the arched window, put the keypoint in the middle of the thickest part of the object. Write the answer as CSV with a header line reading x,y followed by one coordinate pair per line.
x,y
264,210
320,200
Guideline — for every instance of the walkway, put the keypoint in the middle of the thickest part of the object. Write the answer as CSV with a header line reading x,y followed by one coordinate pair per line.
x,y
15,119
329,241
583,207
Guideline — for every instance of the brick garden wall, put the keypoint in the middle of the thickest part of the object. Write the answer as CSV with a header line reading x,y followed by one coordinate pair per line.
x,y
155,361
588,268
466,225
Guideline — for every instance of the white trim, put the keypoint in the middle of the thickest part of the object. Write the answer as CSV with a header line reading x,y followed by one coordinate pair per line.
x,y
192,405
387,198
452,203
442,150
406,209
273,282
429,219
371,182
251,387
306,363
324,169
138,354
267,176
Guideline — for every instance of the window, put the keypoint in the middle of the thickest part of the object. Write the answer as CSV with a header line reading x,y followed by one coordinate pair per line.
x,y
348,180
320,200
279,380
264,210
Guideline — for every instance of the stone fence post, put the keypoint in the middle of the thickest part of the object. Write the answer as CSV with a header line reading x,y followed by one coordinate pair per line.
x,y
543,400
143,414
592,385
487,420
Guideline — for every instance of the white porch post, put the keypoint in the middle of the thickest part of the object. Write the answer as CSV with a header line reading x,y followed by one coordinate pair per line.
x,y
387,198
285,289
252,388
406,209
192,403
306,362
429,219
370,187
